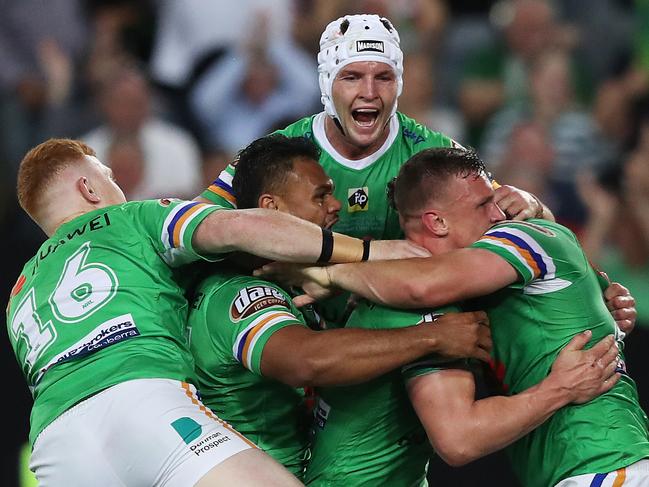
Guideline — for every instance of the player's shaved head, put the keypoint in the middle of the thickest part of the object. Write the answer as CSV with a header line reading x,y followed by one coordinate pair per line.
x,y
42,164
424,177
263,166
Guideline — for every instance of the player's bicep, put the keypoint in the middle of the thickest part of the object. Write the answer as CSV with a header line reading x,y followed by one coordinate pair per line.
x,y
468,273
281,358
442,400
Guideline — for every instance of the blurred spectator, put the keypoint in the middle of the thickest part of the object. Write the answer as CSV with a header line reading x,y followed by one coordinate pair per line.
x,y
418,98
576,140
171,156
244,95
40,44
191,31
126,158
498,75
528,160
616,239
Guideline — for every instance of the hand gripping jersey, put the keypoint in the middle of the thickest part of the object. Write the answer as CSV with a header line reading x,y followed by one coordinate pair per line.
x,y
231,320
360,185
369,434
98,305
557,296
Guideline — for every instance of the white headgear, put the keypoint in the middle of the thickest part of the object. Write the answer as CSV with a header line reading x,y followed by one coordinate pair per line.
x,y
354,38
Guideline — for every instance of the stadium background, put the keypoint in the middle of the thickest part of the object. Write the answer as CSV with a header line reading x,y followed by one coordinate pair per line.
x,y
554,94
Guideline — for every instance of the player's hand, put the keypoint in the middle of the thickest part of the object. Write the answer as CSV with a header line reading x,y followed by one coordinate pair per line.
x,y
518,204
585,374
622,306
396,249
313,280
463,335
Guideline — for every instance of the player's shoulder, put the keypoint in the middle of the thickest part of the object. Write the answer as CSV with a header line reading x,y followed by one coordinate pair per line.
x,y
420,136
533,227
300,128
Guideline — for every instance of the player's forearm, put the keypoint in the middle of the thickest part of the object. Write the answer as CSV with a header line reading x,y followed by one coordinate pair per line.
x,y
409,283
493,423
273,235
349,356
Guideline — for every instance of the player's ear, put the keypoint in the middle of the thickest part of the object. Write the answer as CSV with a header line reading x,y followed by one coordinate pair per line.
x,y
87,191
435,223
268,201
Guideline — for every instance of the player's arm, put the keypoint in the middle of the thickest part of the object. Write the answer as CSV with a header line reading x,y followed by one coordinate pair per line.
x,y
462,429
280,236
408,283
274,235
299,356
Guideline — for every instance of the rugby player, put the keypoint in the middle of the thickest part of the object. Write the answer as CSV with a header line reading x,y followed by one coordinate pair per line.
x,y
97,321
364,141
541,295
254,351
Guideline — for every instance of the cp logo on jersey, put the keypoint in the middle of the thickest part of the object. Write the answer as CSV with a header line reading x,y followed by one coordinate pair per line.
x,y
357,199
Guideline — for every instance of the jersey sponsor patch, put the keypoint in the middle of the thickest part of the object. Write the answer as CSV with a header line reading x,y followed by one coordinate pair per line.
x,y
108,333
371,46
252,299
358,199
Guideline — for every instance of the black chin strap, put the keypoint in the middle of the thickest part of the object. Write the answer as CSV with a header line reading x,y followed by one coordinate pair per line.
x,y
340,127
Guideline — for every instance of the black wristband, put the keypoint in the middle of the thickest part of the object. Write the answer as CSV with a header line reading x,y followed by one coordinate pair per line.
x,y
366,250
327,246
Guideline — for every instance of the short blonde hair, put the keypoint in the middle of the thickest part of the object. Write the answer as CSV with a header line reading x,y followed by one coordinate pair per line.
x,y
41,164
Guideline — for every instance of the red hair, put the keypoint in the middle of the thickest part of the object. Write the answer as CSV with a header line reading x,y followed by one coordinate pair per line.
x,y
41,164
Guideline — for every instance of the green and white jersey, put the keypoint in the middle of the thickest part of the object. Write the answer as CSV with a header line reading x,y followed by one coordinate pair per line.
x,y
557,296
361,184
369,434
231,320
98,304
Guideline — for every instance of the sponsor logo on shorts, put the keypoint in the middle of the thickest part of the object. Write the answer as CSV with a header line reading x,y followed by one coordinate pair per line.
x,y
187,428
374,46
357,199
255,298
108,333
190,431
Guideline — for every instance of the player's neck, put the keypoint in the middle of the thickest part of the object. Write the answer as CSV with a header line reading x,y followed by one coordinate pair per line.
x,y
348,150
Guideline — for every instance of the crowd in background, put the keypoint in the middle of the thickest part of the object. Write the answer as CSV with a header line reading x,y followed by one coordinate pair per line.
x,y
553,94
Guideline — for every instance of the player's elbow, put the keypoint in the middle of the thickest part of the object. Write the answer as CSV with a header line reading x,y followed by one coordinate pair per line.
x,y
455,448
455,455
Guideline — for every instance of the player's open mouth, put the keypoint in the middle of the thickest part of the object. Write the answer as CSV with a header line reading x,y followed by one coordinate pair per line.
x,y
365,117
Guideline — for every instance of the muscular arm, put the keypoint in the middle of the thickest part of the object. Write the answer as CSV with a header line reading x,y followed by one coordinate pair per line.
x,y
271,234
299,356
425,282
279,236
462,429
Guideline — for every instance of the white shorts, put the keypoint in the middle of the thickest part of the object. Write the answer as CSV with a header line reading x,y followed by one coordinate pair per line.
x,y
635,475
141,432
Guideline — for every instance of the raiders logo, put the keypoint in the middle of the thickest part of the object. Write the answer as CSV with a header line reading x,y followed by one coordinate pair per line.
x,y
164,201
357,199
255,298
